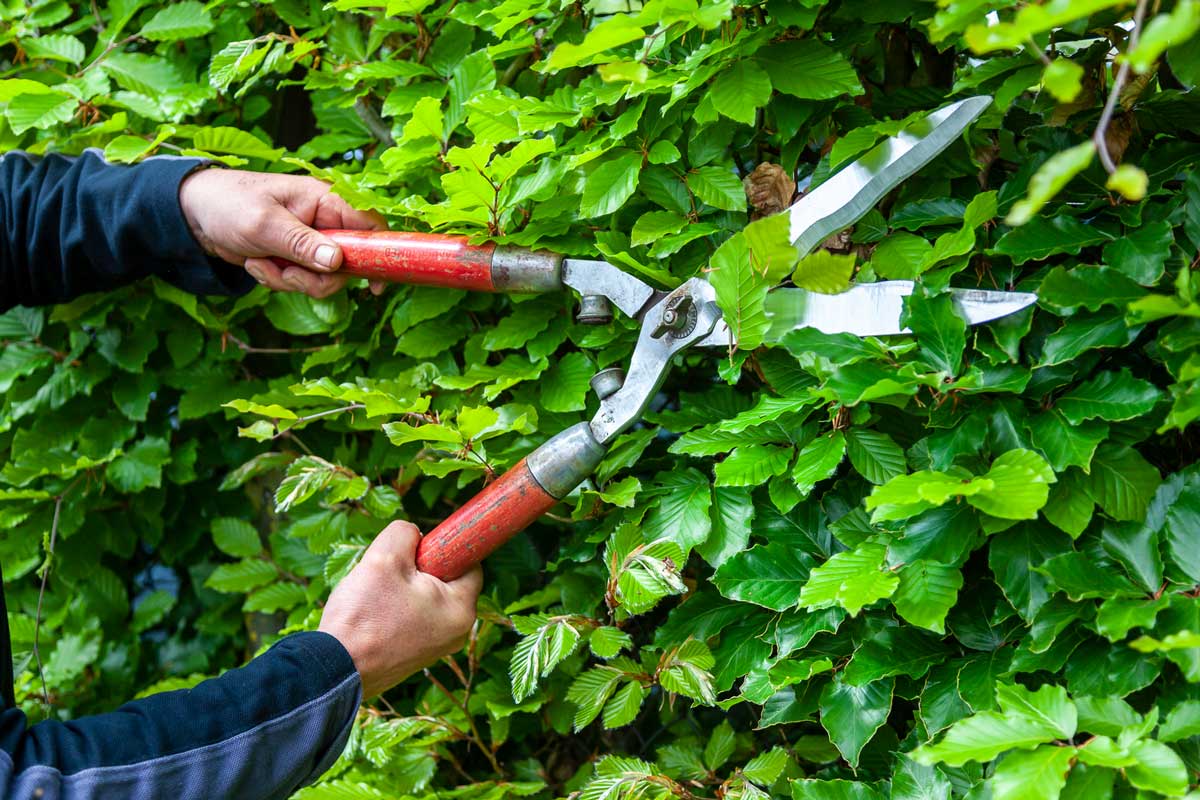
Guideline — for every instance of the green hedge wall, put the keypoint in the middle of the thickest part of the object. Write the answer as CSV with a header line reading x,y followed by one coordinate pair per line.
x,y
959,563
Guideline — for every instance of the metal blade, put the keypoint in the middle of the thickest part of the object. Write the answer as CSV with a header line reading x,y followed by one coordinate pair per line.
x,y
843,199
873,309
869,309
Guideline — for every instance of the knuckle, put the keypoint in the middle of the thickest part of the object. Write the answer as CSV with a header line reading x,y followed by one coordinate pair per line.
x,y
298,240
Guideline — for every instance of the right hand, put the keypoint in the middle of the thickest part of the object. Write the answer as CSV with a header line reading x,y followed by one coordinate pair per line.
x,y
392,618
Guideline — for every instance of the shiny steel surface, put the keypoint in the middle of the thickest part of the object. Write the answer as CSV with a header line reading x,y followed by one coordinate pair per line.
x,y
843,199
565,460
601,278
873,309
652,358
518,269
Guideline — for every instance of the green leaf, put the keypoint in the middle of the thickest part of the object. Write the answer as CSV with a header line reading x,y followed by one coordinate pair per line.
x,y
565,387
1112,396
1122,482
825,272
1041,238
821,457
236,537
940,331
807,69
611,183
1020,486
752,465
1164,31
1183,530
1063,78
772,576
851,580
615,31
653,225
276,597
892,652
926,593
623,708
1038,773
241,577
732,515
1142,252
55,47
1064,443
1181,723
852,714
235,142
1129,181
1056,173
184,20
40,111
741,90
1158,768
590,692
607,642
141,467
681,512
741,291
546,643
719,187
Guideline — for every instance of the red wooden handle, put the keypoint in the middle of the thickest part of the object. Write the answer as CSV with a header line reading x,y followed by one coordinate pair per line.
x,y
429,259
488,520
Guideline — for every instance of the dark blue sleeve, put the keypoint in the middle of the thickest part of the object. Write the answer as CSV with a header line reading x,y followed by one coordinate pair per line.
x,y
69,226
256,733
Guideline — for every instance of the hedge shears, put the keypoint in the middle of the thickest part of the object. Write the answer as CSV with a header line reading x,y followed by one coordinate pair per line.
x,y
671,322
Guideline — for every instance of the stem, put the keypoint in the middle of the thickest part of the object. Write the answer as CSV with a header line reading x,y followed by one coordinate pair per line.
x,y
113,45
475,738
37,624
318,415
375,124
1114,94
247,348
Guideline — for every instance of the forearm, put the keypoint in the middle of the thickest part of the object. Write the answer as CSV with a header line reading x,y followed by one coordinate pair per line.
x,y
74,225
258,732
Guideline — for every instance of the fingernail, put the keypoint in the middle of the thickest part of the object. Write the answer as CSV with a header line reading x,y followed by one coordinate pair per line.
x,y
324,255
256,273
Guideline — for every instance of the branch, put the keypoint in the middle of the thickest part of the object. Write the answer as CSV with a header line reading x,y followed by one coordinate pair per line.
x,y
37,624
318,415
1099,137
375,124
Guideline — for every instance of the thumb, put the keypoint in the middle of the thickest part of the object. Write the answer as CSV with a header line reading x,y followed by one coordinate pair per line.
x,y
287,237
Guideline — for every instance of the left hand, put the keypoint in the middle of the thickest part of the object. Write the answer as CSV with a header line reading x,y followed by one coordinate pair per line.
x,y
246,218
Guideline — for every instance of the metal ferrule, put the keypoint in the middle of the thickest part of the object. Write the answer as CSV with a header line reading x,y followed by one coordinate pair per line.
x,y
565,460
519,269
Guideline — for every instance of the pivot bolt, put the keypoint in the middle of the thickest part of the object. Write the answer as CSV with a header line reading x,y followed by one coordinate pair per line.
x,y
676,316
594,310
607,381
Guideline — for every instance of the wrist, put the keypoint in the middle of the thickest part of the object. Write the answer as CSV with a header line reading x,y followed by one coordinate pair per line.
x,y
192,207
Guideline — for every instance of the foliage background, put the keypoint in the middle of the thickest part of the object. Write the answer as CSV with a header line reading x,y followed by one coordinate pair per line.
x,y
789,582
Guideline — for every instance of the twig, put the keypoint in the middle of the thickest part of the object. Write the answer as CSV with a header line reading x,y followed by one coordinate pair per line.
x,y
113,45
1114,94
375,124
37,623
475,738
248,348
301,420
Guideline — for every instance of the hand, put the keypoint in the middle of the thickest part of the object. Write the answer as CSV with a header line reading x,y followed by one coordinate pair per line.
x,y
393,619
246,218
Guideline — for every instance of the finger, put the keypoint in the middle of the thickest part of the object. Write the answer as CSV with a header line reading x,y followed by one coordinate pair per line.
x,y
377,287
267,273
285,236
399,540
334,212
468,586
314,284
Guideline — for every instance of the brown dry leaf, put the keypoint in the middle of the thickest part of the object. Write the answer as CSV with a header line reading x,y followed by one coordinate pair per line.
x,y
769,189
1118,134
838,243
